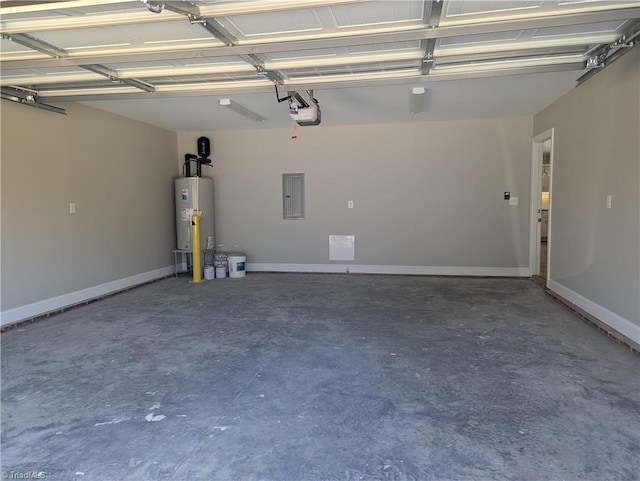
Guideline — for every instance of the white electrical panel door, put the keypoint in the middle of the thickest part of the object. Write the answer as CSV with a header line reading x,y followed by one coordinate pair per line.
x,y
193,193
293,196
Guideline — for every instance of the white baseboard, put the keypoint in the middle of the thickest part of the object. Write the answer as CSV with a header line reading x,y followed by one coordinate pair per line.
x,y
385,269
611,319
29,311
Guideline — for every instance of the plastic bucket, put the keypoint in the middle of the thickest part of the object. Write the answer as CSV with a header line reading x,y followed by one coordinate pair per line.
x,y
237,264
221,272
209,273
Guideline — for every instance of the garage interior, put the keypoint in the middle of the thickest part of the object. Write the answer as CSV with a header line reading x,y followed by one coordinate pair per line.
x,y
455,297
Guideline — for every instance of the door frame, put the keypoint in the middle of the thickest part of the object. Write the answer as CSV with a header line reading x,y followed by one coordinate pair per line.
x,y
537,151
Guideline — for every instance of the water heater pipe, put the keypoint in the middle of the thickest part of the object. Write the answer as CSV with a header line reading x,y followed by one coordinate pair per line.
x,y
186,168
196,250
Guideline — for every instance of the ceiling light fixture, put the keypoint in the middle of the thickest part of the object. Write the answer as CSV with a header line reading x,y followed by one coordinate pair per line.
x,y
239,109
417,100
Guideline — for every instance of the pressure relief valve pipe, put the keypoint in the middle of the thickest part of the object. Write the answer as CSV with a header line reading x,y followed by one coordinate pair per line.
x,y
196,250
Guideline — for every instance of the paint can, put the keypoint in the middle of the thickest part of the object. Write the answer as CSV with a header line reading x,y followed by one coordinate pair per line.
x,y
209,273
221,269
237,265
221,272
220,257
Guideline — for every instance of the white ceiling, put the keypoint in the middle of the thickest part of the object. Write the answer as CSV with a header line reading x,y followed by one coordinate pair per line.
x,y
361,58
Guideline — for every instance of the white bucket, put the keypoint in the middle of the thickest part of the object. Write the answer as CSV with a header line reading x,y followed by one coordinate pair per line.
x,y
221,272
237,264
209,273
221,268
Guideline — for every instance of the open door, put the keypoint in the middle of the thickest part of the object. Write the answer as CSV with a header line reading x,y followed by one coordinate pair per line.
x,y
541,201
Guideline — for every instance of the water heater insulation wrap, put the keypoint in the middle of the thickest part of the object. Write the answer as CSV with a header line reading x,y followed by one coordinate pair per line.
x,y
193,193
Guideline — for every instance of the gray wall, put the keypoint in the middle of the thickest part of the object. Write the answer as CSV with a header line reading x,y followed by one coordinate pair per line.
x,y
425,194
595,252
118,172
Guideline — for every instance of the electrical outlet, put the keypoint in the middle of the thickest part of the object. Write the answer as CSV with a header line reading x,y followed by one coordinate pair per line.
x,y
350,204
72,207
513,201
609,202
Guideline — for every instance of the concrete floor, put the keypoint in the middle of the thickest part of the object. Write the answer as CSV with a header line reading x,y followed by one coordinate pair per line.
x,y
295,377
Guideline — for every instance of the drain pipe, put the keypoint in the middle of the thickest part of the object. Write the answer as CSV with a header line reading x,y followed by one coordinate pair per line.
x,y
195,246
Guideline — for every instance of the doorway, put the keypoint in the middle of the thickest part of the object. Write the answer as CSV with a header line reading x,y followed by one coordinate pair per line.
x,y
541,201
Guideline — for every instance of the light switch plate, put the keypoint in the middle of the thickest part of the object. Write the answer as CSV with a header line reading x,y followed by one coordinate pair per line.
x,y
513,201
72,207
350,204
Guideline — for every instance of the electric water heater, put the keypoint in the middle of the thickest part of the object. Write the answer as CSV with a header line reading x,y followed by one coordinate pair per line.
x,y
193,193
